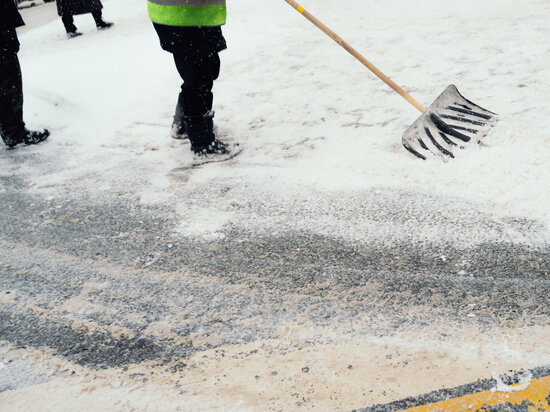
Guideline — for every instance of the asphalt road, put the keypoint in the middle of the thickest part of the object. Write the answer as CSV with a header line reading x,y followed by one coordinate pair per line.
x,y
85,277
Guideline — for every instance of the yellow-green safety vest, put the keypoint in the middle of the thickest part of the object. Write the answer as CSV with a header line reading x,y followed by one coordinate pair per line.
x,y
187,12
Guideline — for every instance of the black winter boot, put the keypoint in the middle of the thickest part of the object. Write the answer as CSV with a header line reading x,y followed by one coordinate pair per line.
x,y
35,136
200,130
102,25
10,141
178,132
27,137
73,34
70,28
214,152
215,148
99,22
204,145
178,125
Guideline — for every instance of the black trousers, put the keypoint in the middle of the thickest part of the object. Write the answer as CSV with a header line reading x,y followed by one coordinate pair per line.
x,y
198,72
11,97
68,20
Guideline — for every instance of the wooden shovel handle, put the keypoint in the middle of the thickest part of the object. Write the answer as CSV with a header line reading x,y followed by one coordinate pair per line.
x,y
356,54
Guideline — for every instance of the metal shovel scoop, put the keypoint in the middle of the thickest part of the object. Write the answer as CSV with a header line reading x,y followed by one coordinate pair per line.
x,y
451,122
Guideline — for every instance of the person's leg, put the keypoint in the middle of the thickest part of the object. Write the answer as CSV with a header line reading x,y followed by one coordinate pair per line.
x,y
68,23
194,109
12,126
70,28
99,22
198,73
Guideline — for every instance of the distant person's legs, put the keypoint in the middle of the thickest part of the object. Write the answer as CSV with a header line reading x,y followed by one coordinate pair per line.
x,y
67,10
99,22
70,28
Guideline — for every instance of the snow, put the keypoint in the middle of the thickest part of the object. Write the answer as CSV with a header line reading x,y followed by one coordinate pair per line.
x,y
318,130
524,380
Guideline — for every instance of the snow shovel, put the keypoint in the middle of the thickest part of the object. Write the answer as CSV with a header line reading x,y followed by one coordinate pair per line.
x,y
450,122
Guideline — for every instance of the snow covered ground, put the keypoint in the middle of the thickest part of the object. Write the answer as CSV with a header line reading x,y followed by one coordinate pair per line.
x,y
322,157
310,118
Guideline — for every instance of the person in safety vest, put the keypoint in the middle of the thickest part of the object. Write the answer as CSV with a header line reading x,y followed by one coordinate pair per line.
x,y
191,31
12,126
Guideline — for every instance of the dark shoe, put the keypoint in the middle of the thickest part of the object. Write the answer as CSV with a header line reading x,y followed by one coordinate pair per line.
x,y
27,137
35,136
102,25
178,131
214,148
204,145
200,129
73,34
214,152
11,142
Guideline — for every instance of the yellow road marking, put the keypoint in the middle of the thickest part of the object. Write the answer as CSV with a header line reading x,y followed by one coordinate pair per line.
x,y
536,393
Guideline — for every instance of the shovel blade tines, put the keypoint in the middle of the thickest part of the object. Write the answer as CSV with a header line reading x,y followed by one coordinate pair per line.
x,y
451,122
